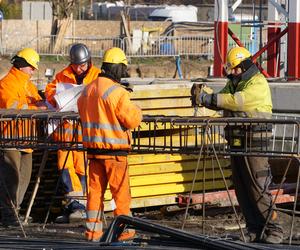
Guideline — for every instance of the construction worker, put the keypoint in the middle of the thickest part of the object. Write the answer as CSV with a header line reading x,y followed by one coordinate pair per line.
x,y
79,71
247,94
107,114
17,92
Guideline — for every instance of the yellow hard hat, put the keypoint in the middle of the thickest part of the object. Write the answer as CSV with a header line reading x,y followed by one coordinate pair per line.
x,y
236,55
115,55
30,56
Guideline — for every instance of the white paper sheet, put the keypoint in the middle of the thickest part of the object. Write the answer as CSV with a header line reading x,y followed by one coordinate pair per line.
x,y
66,98
67,95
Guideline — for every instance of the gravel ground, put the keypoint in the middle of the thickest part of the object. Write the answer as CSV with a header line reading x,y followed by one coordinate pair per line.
x,y
219,222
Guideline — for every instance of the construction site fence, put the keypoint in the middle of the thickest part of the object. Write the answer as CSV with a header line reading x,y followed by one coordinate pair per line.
x,y
278,136
161,46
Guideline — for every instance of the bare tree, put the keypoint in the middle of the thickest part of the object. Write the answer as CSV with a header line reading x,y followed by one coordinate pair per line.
x,y
62,12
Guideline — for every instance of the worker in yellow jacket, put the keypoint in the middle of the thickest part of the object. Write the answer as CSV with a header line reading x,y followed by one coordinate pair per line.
x,y
247,94
107,115
80,71
17,92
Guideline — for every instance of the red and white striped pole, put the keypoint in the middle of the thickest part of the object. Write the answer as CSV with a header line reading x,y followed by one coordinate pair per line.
x,y
221,36
273,52
293,53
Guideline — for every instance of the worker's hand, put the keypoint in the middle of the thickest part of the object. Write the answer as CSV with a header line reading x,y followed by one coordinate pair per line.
x,y
202,95
205,99
41,105
126,85
196,90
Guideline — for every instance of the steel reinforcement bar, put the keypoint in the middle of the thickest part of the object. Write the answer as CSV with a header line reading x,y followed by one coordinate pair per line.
x,y
278,136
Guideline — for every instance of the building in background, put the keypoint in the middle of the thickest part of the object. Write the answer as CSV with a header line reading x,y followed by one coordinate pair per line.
x,y
36,10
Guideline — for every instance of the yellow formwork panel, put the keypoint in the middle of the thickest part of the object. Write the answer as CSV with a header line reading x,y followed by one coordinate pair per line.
x,y
173,167
159,90
137,159
180,111
157,179
172,188
176,141
167,99
161,128
164,103
158,200
176,188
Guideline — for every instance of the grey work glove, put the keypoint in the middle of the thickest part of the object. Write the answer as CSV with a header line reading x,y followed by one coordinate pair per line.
x,y
205,99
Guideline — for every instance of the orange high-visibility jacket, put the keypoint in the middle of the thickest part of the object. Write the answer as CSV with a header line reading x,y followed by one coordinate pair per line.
x,y
67,76
107,113
17,91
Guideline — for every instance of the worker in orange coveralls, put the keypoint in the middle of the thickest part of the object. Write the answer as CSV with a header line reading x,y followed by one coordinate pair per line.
x,y
80,71
17,92
107,114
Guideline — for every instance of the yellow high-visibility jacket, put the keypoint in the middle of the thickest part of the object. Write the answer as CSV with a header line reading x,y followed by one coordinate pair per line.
x,y
250,98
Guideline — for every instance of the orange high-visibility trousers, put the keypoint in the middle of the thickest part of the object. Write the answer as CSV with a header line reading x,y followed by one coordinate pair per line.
x,y
101,172
73,181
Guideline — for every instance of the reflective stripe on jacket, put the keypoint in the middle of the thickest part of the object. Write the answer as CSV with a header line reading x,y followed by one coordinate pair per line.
x,y
106,114
250,98
67,76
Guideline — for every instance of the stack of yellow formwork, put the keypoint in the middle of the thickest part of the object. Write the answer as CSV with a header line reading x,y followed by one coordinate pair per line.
x,y
157,179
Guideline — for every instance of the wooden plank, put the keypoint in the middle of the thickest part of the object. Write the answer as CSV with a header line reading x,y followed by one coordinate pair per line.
x,y
126,28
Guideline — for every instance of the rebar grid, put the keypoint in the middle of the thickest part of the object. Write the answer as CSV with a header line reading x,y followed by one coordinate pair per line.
x,y
23,129
50,130
275,137
202,136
